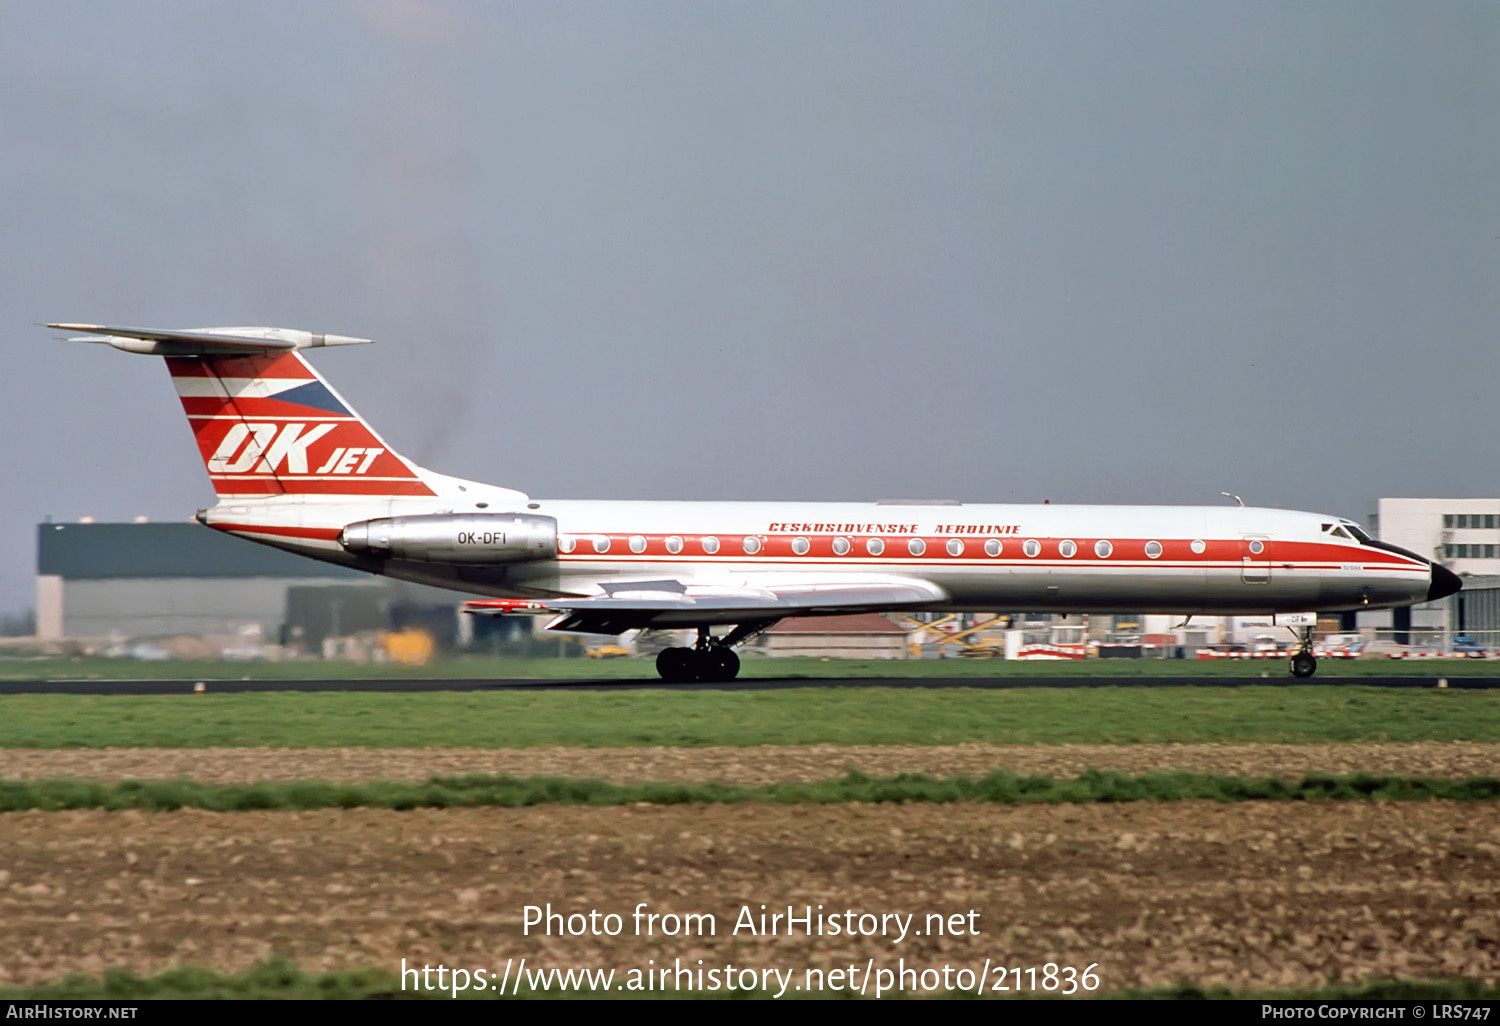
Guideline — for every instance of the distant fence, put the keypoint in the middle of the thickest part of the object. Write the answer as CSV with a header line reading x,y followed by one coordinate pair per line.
x,y
1384,643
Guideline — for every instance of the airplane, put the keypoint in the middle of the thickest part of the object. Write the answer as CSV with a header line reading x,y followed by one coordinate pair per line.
x,y
293,466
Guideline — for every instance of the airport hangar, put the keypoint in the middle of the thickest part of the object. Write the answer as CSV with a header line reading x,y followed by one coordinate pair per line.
x,y
156,580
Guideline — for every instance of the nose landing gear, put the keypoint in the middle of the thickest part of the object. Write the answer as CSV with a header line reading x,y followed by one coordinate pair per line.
x,y
1302,663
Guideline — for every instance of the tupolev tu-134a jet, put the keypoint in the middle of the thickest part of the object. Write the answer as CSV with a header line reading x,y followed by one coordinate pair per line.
x,y
295,467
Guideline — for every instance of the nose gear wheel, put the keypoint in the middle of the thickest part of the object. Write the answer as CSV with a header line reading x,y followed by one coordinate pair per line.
x,y
1303,664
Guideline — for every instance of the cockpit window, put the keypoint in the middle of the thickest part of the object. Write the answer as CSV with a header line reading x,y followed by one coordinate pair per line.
x,y
1339,532
1359,535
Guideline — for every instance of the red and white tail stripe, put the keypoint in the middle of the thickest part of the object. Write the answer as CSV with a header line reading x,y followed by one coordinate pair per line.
x,y
268,424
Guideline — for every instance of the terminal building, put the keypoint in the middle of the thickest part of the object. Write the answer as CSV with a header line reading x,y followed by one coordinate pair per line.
x,y
1460,534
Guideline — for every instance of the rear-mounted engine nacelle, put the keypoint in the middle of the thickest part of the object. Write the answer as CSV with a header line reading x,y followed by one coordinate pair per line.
x,y
455,538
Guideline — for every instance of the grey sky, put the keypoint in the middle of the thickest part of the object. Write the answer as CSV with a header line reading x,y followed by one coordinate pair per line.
x,y
1091,252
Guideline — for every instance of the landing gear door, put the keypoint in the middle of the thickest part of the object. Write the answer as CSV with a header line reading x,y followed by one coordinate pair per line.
x,y
1255,559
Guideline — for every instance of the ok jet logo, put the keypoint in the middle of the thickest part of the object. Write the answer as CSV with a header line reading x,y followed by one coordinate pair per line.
x,y
264,448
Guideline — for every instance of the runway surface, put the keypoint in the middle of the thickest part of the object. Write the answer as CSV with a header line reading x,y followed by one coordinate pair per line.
x,y
177,687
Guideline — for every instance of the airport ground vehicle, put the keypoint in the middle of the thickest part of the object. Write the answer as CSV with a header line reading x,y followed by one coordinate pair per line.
x,y
1464,645
1341,646
295,467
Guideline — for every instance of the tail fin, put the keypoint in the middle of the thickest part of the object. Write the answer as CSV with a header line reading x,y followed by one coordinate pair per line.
x,y
270,425
266,422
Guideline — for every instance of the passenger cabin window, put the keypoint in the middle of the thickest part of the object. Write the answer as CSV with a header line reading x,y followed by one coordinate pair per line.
x,y
1256,548
1068,549
710,545
751,544
1153,550
1198,546
955,547
637,544
1102,549
875,546
1032,548
841,546
566,543
601,545
992,547
916,546
674,544
800,546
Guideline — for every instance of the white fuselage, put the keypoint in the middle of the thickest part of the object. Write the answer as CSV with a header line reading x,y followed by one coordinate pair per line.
x,y
1038,558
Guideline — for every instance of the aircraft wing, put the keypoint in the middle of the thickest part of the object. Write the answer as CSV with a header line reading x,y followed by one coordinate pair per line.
x,y
627,605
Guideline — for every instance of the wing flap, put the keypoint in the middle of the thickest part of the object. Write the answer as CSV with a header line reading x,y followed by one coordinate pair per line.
x,y
652,604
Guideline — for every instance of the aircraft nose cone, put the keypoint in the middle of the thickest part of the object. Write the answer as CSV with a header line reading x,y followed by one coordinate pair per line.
x,y
1444,583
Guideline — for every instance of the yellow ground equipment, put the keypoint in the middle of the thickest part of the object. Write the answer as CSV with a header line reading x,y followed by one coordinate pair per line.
x,y
410,647
966,641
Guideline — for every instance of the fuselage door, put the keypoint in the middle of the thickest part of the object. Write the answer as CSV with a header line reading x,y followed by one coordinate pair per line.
x,y
1255,559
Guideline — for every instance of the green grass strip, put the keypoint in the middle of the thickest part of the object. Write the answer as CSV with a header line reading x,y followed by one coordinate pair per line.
x,y
277,978
795,716
513,792
280,978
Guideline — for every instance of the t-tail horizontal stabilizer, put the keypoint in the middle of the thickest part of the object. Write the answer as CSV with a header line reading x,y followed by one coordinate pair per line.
x,y
206,341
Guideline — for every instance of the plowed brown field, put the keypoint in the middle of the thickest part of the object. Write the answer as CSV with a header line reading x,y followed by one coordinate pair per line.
x,y
1264,895
756,765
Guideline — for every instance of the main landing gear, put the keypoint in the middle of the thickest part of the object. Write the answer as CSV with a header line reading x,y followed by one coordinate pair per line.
x,y
1302,663
711,659
680,665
